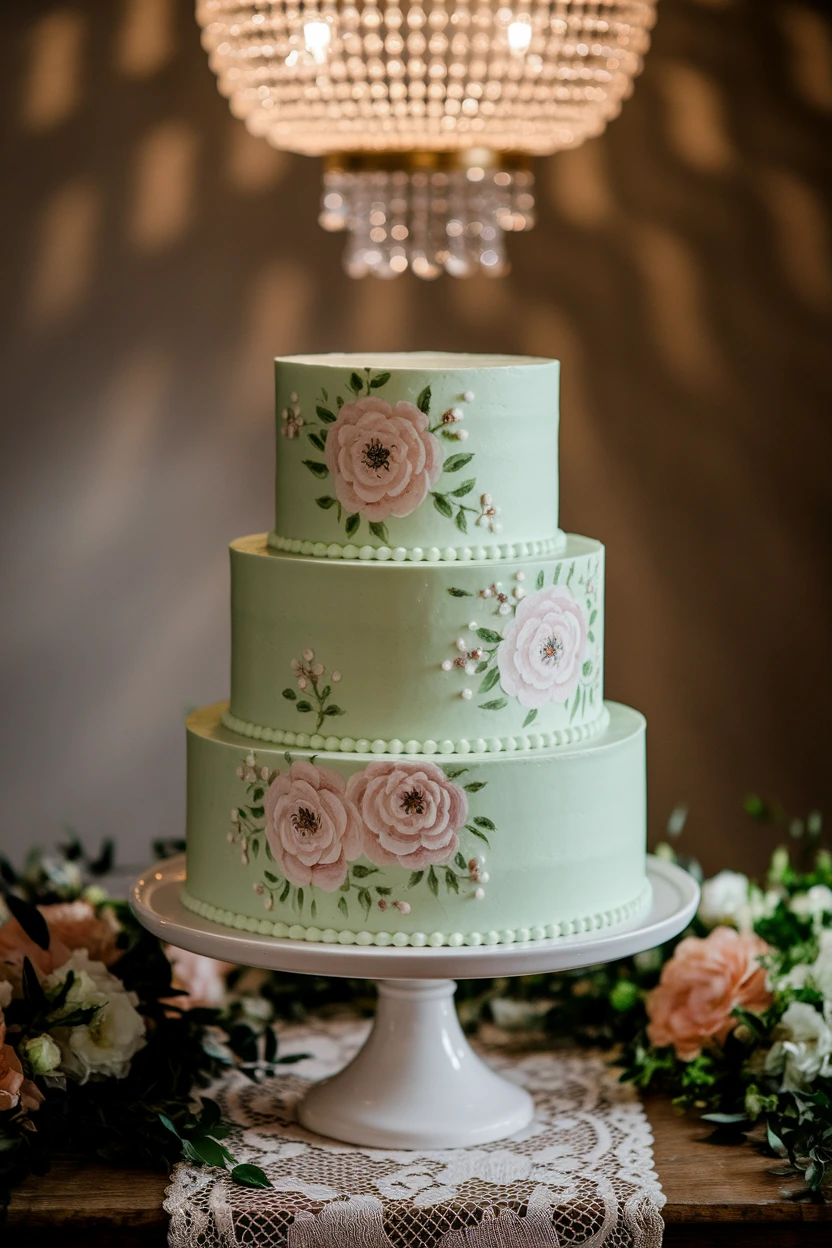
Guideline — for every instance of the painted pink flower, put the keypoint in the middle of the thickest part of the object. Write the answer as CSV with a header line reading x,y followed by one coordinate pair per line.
x,y
311,826
540,656
700,986
383,459
411,813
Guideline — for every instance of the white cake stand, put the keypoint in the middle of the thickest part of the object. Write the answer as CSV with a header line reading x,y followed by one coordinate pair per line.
x,y
416,1083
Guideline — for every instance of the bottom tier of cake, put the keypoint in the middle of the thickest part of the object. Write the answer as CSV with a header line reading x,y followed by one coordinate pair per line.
x,y
416,850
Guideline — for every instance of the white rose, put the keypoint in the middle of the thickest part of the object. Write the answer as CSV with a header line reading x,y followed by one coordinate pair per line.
x,y
817,900
803,1048
724,899
42,1054
104,1047
819,971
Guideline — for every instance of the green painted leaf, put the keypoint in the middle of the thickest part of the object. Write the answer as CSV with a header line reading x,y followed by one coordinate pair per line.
x,y
316,468
380,379
415,878
287,888
448,435
583,700
455,462
365,900
460,593
587,668
270,876
496,704
558,571
454,772
334,710
482,822
465,488
379,530
451,882
461,521
288,757
530,718
290,694
316,440
442,505
461,863
575,706
355,383
325,692
325,502
303,706
325,395
423,401
382,890
343,907
481,666
325,415
593,618
475,786
539,581
489,680
361,872
488,634
300,899
591,635
352,523
476,832
433,882
571,574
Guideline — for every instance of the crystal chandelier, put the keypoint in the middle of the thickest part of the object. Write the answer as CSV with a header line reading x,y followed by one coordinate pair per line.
x,y
427,113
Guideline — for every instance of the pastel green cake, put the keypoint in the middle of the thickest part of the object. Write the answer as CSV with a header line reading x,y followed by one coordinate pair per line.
x,y
416,748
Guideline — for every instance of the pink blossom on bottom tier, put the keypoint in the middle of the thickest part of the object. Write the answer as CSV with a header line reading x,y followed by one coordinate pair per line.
x,y
411,813
311,826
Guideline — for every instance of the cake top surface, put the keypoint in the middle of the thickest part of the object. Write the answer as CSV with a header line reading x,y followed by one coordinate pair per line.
x,y
409,360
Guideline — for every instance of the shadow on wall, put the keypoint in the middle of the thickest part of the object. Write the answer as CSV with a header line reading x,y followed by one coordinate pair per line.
x,y
156,257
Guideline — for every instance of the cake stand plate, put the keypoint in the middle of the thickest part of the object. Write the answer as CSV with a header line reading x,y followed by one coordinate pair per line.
x,y
416,1083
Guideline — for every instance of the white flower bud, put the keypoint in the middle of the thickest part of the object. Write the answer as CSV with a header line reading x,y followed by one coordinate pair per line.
x,y
42,1054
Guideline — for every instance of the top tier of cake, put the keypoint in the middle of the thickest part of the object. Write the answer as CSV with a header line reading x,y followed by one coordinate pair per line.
x,y
420,456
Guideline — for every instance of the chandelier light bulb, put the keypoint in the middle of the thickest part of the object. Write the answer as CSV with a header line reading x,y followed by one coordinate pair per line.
x,y
427,112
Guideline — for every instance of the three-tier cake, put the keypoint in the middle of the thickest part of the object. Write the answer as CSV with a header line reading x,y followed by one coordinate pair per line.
x,y
417,749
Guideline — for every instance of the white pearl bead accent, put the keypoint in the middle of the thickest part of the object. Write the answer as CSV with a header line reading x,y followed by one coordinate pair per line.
x,y
484,877
473,626
446,665
461,435
467,694
468,396
479,893
400,554
417,554
462,645
519,576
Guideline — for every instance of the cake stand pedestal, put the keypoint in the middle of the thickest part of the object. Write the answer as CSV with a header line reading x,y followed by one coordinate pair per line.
x,y
416,1083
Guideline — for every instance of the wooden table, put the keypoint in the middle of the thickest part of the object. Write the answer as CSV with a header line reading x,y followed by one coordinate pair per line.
x,y
715,1196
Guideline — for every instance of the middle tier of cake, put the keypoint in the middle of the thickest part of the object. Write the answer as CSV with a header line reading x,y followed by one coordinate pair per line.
x,y
446,658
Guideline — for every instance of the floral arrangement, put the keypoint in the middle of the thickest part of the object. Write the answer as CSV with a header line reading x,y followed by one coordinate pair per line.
x,y
734,1019
105,1034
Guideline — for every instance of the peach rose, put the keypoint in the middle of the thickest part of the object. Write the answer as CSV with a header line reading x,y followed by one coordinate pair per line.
x,y
383,459
15,945
700,986
77,925
15,1088
203,979
540,656
411,813
311,826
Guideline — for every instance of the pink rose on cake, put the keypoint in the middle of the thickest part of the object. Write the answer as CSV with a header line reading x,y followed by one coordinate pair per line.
x,y
311,826
383,459
540,656
411,813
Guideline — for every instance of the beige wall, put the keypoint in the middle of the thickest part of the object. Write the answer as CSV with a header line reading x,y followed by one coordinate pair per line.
x,y
154,258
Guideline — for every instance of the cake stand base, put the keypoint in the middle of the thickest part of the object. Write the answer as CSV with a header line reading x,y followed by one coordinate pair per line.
x,y
416,1083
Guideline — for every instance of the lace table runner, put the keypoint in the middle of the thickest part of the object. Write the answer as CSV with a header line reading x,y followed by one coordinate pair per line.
x,y
580,1173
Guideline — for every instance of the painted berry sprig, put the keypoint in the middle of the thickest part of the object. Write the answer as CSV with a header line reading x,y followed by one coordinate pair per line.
x,y
311,679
